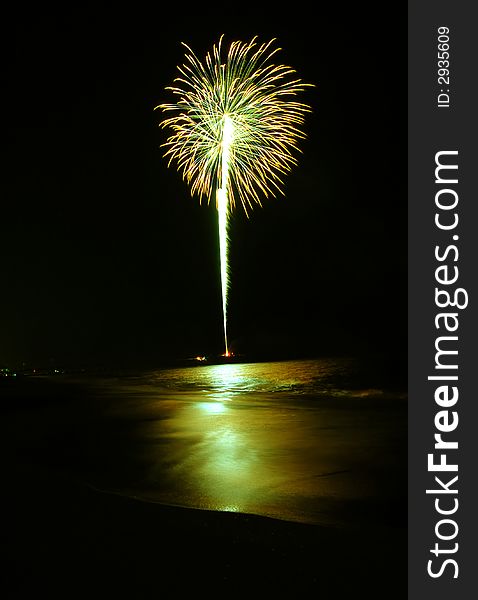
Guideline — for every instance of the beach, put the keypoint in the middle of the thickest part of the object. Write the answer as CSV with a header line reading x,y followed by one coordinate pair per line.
x,y
109,493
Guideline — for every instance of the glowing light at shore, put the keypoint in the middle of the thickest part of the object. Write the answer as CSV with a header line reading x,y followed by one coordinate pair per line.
x,y
234,131
212,408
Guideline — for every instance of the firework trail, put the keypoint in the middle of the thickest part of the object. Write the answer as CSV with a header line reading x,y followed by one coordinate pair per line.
x,y
235,130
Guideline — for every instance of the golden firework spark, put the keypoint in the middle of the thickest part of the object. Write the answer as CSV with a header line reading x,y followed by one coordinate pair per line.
x,y
235,130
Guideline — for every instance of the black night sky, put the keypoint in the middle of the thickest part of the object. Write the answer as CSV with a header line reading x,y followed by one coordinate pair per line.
x,y
106,258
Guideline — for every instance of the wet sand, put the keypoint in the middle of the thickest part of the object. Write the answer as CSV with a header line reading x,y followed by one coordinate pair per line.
x,y
64,539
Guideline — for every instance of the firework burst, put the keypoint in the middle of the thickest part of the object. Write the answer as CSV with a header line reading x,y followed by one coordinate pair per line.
x,y
235,130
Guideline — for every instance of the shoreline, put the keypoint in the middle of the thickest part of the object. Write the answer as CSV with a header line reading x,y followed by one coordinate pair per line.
x,y
71,541
63,539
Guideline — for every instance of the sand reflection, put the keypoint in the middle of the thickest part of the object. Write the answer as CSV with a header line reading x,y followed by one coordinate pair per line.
x,y
236,440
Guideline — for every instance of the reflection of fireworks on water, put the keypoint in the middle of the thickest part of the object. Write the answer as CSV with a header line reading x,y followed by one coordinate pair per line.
x,y
234,130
